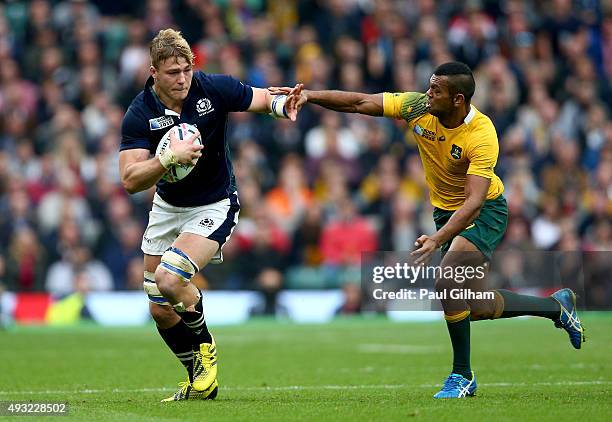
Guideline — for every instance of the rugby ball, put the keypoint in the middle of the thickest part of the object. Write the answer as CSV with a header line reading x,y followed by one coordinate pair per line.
x,y
178,171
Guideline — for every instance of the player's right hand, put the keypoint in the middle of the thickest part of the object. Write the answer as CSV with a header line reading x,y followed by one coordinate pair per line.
x,y
426,247
186,152
296,97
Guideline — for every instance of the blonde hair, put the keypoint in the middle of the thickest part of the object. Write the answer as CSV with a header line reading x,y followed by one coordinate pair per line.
x,y
169,43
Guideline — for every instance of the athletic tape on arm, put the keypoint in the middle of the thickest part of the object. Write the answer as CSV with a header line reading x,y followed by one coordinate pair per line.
x,y
278,107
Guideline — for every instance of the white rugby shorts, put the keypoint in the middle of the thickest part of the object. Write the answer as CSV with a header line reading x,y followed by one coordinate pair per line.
x,y
214,221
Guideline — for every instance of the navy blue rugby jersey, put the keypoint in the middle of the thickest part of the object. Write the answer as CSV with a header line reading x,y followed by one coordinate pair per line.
x,y
210,99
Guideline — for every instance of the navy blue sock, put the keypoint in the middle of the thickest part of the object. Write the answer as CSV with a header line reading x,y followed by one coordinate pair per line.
x,y
196,322
180,339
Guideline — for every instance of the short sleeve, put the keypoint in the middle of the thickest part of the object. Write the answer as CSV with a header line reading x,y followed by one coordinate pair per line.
x,y
134,132
482,154
237,96
404,105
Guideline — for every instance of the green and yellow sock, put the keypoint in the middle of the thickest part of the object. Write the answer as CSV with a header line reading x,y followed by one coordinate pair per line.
x,y
518,305
459,331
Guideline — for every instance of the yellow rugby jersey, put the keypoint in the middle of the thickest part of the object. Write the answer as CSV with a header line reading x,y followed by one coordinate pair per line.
x,y
448,155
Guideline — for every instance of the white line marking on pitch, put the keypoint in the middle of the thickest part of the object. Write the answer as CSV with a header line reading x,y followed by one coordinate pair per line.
x,y
306,387
397,348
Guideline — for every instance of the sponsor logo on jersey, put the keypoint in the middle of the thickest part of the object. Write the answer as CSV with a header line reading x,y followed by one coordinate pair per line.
x,y
206,222
442,138
204,106
160,122
427,134
456,152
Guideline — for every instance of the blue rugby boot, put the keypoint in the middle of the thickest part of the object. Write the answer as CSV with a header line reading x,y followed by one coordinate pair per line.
x,y
457,386
568,319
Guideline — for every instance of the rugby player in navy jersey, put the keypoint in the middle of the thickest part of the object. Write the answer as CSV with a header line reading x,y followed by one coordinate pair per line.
x,y
192,218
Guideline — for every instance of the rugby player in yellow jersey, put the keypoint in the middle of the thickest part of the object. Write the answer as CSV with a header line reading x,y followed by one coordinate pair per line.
x,y
458,147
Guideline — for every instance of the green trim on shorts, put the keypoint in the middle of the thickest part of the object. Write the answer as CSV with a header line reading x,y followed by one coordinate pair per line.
x,y
486,232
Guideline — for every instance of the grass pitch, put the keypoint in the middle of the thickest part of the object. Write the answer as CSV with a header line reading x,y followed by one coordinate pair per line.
x,y
354,369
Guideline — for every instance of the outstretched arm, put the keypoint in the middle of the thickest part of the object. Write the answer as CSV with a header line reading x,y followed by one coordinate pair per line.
x,y
347,102
265,102
343,101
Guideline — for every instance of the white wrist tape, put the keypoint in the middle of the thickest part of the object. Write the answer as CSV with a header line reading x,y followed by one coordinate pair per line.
x,y
167,158
278,107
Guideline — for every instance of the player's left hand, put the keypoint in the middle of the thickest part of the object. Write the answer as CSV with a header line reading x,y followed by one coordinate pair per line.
x,y
426,247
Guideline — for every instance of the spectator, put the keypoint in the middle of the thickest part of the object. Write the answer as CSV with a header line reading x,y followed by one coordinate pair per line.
x,y
546,228
63,275
118,256
331,139
26,262
305,245
352,299
18,215
133,273
346,237
288,200
263,249
66,202
400,225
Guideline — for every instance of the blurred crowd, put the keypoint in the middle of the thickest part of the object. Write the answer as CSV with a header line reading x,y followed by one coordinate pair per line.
x,y
314,193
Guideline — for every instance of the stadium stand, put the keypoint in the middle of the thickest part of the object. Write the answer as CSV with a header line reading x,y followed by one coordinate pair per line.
x,y
70,68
